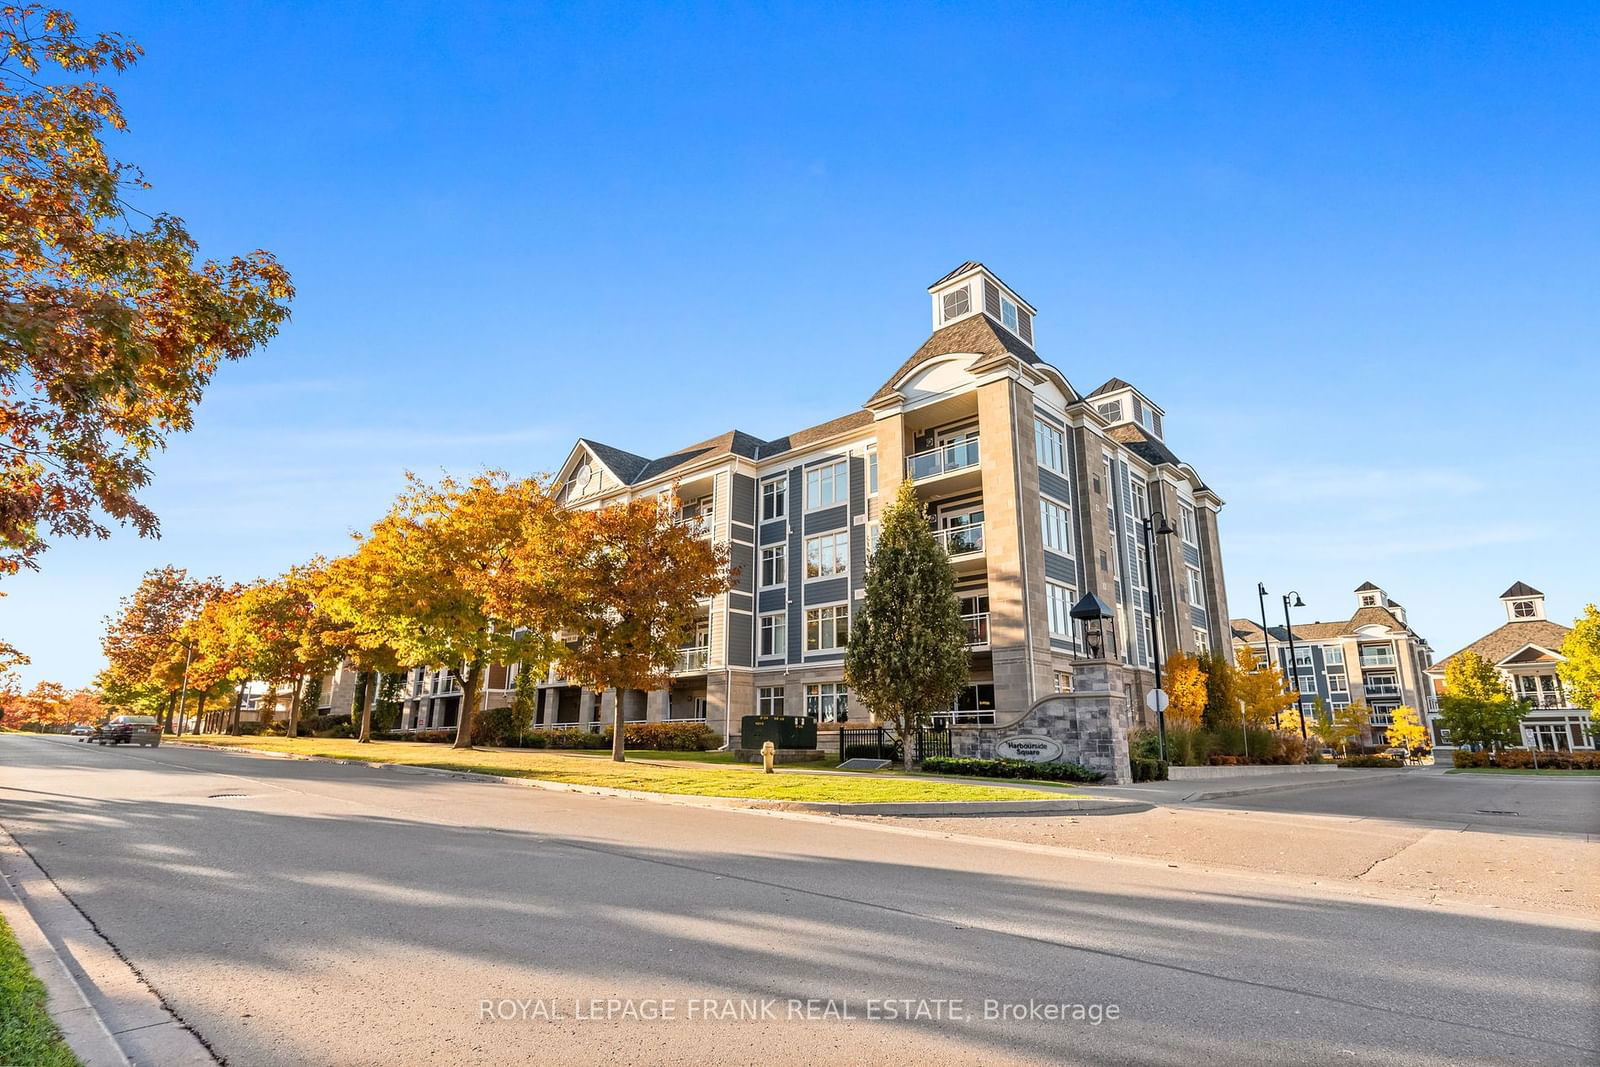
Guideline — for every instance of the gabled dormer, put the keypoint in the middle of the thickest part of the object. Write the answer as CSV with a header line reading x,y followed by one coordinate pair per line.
x,y
1370,596
972,289
1523,603
1120,403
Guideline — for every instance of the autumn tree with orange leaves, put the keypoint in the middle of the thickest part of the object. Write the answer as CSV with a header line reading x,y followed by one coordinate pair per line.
x,y
146,643
110,329
631,580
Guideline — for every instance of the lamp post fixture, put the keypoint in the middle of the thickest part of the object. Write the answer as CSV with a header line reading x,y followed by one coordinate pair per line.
x,y
1154,605
1294,666
1266,644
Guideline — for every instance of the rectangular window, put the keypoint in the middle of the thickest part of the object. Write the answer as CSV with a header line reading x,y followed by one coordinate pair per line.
x,y
769,700
872,472
828,555
1051,446
1186,525
774,498
1063,682
874,530
774,565
1056,526
1202,640
1333,654
1060,605
828,629
828,701
774,641
827,484
1008,314
1197,588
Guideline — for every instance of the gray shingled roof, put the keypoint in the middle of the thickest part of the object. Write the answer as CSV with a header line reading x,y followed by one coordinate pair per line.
x,y
1112,386
625,465
1521,589
978,334
1367,587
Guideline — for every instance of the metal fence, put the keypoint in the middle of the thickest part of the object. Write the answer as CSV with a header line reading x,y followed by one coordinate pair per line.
x,y
881,742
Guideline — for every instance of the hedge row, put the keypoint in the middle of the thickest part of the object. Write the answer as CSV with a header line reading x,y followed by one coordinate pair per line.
x,y
1370,761
1011,768
652,736
1149,770
1523,758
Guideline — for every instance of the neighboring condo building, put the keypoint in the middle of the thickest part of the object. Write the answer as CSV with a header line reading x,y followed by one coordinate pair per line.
x,y
1526,650
1373,657
1037,491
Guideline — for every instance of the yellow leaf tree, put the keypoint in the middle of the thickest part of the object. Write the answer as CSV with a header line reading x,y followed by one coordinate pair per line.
x,y
1266,694
1185,683
1407,731
420,583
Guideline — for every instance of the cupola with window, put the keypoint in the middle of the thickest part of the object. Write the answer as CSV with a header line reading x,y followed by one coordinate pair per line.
x,y
1523,603
1118,403
972,289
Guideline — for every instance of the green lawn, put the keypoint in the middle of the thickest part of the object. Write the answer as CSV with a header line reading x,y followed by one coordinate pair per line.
x,y
1523,770
27,1036
585,769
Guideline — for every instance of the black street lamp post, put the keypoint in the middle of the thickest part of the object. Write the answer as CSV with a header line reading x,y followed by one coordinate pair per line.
x,y
1293,665
1154,607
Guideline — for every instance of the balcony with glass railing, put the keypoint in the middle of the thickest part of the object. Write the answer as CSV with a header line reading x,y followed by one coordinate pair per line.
x,y
1378,657
961,540
946,459
692,660
977,625
1381,690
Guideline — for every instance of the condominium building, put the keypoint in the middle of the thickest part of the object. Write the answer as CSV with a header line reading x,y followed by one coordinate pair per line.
x,y
1040,494
1374,658
1525,649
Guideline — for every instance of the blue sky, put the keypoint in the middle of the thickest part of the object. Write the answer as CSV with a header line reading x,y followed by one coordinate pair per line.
x,y
1352,250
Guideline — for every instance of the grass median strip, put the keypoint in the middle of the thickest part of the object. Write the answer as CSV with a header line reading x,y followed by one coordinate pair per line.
x,y
27,1036
1551,771
682,781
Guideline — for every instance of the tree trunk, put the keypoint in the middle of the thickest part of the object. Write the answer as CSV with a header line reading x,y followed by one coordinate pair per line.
x,y
619,730
908,742
166,725
199,714
293,729
469,702
238,707
367,702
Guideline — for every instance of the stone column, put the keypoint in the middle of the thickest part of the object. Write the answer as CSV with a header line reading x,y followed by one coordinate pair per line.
x,y
658,705
891,455
586,704
634,705
608,707
1019,632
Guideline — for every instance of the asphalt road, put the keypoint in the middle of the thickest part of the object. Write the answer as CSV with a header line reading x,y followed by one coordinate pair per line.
x,y
1503,803
300,912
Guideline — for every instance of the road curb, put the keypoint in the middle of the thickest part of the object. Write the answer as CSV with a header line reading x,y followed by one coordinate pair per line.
x,y
81,971
1073,806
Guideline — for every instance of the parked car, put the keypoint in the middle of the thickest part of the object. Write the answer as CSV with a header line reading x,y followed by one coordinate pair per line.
x,y
138,730
83,731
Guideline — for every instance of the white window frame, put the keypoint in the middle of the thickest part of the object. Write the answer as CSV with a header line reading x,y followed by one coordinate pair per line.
x,y
1050,443
1197,587
837,481
872,472
779,491
1188,527
780,553
834,612
1059,598
769,700
776,624
838,541
831,692
1055,525
1008,306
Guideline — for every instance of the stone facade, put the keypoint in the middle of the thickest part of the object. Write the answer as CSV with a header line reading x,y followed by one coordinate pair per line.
x,y
1091,723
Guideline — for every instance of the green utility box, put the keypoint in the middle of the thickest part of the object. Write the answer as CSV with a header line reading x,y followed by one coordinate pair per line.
x,y
784,731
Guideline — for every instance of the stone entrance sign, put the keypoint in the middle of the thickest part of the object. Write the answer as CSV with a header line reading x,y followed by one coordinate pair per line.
x,y
1034,748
